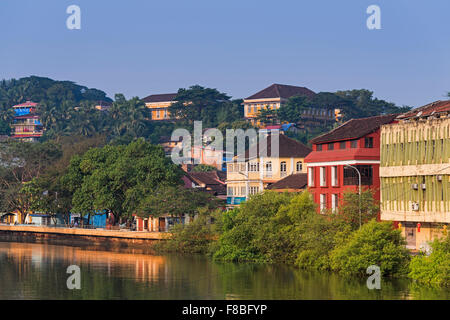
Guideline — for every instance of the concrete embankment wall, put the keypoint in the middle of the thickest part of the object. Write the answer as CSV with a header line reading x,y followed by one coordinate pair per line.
x,y
103,239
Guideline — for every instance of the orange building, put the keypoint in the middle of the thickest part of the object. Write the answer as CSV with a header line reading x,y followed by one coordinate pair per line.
x,y
273,97
159,105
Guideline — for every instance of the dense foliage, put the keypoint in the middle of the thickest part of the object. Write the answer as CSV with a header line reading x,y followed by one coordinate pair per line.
x,y
435,268
19,164
376,243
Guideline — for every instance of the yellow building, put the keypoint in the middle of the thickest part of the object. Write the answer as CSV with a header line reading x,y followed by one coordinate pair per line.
x,y
254,174
415,173
273,97
159,105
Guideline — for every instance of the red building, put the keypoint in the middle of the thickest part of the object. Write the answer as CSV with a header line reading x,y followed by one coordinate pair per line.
x,y
336,154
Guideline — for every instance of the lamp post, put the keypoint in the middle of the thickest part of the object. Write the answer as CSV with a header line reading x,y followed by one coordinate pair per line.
x,y
359,178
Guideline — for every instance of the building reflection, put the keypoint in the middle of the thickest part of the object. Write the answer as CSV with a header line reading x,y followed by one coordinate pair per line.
x,y
140,267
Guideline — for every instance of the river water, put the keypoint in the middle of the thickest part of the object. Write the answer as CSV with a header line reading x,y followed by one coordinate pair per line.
x,y
39,271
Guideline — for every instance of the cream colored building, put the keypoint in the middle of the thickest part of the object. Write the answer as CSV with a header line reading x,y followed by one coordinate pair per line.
x,y
273,97
253,175
159,105
415,172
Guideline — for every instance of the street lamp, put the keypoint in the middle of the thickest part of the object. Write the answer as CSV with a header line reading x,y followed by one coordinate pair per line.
x,y
359,176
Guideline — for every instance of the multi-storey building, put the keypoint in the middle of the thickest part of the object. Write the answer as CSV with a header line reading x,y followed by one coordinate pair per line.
x,y
159,105
273,97
339,155
258,170
415,172
27,125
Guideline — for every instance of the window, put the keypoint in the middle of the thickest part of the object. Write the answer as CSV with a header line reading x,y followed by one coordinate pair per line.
x,y
342,145
323,202
243,191
254,190
319,147
230,191
354,144
299,166
283,168
368,142
331,146
351,176
269,168
334,202
310,177
253,166
323,176
334,176
165,113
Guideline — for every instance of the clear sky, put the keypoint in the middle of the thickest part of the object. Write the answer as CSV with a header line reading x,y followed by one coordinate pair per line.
x,y
139,47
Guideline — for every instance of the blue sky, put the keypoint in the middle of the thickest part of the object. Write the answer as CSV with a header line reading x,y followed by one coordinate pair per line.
x,y
239,47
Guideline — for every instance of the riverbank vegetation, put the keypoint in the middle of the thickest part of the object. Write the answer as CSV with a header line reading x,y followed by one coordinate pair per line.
x,y
435,268
285,228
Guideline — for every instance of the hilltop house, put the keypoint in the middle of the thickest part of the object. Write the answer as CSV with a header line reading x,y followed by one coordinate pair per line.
x,y
27,125
159,105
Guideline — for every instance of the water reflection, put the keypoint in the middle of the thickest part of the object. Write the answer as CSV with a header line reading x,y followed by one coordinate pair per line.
x,y
38,271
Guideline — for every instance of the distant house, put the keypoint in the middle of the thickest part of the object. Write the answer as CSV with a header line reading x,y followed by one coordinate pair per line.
x,y
212,182
296,182
273,97
27,125
103,105
340,154
159,105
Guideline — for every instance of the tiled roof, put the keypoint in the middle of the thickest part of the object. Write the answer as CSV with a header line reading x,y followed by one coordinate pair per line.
x,y
166,97
355,128
214,180
26,104
294,181
287,148
282,91
428,110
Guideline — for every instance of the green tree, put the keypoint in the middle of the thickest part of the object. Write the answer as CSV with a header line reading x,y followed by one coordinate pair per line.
x,y
198,103
175,201
376,243
435,268
118,178
20,162
351,205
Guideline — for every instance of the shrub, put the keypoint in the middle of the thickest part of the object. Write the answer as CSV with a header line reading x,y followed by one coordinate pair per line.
x,y
435,268
195,237
243,228
376,243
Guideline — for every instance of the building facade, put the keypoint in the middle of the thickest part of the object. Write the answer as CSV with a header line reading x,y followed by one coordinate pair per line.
x,y
159,105
339,155
415,172
27,125
273,97
254,174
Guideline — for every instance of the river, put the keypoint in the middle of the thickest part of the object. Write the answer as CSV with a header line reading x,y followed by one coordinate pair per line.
x,y
39,271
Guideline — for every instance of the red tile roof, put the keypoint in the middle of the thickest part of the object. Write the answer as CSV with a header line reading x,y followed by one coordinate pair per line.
x,y
282,91
287,148
355,128
166,97
213,180
428,110
26,104
294,181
